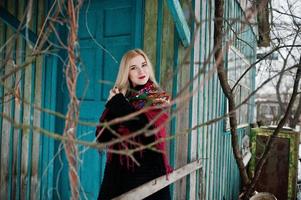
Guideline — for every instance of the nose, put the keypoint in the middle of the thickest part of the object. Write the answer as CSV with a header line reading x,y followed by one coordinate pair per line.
x,y
140,71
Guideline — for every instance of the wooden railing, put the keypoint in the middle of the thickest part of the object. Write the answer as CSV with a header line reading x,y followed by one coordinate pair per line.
x,y
157,184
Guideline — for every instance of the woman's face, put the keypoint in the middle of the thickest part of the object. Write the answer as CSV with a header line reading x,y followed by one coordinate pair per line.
x,y
139,71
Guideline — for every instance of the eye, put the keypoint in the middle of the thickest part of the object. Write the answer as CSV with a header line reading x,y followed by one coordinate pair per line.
x,y
132,67
144,65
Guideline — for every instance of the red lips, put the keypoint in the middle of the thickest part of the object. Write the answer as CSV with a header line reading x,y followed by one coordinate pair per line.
x,y
141,77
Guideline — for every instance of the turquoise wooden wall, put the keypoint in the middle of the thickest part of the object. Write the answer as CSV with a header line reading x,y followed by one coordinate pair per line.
x,y
20,93
27,165
219,177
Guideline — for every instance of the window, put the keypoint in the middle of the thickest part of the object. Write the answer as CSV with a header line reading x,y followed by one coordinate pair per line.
x,y
237,64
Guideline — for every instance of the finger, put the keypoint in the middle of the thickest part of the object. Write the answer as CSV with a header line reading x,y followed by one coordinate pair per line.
x,y
115,89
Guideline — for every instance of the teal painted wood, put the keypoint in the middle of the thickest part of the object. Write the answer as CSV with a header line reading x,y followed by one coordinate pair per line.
x,y
173,123
21,115
216,181
12,129
60,166
216,138
32,100
180,21
49,91
200,109
139,22
14,23
198,174
206,105
48,122
210,127
233,178
3,36
20,131
216,146
191,69
203,96
221,142
213,102
226,140
159,39
220,154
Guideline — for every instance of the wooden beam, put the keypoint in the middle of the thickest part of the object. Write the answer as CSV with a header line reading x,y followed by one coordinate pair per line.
x,y
180,21
161,182
14,23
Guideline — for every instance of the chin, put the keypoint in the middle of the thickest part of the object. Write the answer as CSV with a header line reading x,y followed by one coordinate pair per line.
x,y
144,82
141,82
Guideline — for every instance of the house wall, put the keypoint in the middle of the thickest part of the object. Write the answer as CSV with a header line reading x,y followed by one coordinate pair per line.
x,y
21,150
20,103
219,177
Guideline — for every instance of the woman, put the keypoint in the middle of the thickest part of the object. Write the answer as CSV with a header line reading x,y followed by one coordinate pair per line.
x,y
135,89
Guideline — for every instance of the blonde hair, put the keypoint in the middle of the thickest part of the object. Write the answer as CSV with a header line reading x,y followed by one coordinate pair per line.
x,y
122,81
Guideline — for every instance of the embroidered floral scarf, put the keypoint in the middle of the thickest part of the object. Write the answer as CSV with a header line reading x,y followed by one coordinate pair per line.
x,y
151,96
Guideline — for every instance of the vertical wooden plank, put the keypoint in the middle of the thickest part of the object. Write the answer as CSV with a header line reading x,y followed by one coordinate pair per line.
x,y
26,121
150,29
46,164
37,100
31,150
225,166
227,137
159,37
19,133
218,135
230,167
167,53
190,116
203,100
210,105
221,143
2,39
206,105
198,11
139,21
6,152
216,138
12,7
221,131
223,152
173,125
17,110
3,28
168,64
19,106
182,124
214,105
195,100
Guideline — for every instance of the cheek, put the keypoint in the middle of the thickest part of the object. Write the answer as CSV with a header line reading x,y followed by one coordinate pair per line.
x,y
132,75
146,71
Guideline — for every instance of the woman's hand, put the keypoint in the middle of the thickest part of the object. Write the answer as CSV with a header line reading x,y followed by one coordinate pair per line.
x,y
113,92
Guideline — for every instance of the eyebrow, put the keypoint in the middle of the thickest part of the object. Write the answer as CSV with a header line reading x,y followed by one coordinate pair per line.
x,y
141,63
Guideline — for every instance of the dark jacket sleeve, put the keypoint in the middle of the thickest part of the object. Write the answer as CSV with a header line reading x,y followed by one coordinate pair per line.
x,y
118,106
103,135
